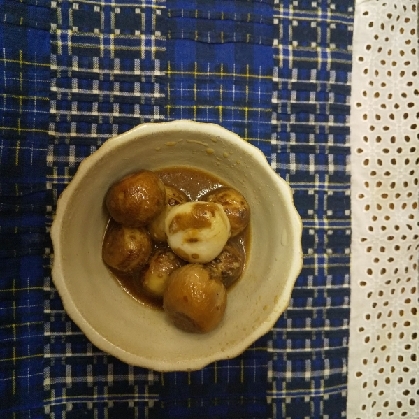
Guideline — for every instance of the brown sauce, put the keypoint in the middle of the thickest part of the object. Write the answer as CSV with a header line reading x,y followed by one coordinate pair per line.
x,y
195,184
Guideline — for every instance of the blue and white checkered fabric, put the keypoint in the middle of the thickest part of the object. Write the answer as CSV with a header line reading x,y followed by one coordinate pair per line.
x,y
73,74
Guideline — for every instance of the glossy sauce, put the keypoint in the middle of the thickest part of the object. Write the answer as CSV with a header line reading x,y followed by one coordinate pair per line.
x,y
195,184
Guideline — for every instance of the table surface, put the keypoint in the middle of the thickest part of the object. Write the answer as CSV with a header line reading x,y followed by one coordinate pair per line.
x,y
281,74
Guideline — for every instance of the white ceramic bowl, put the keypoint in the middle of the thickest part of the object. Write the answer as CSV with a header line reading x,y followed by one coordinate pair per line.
x,y
137,334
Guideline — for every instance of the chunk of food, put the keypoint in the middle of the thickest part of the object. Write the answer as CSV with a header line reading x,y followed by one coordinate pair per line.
x,y
162,263
194,299
126,249
197,231
136,199
174,196
228,264
235,206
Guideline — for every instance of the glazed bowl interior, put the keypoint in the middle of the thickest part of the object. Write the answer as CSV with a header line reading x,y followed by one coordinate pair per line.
x,y
133,332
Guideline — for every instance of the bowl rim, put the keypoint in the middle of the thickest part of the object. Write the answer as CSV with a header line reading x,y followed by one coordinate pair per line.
x,y
69,304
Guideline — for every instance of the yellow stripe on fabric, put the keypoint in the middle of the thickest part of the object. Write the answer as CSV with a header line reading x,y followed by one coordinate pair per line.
x,y
20,107
18,358
20,97
194,89
14,336
20,129
142,3
168,106
220,107
13,325
86,398
17,148
21,289
112,46
311,60
245,109
219,74
247,100
20,79
20,61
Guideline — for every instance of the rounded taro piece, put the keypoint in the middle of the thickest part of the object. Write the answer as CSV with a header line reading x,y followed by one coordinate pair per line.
x,y
162,263
235,206
126,249
228,264
136,199
197,231
194,300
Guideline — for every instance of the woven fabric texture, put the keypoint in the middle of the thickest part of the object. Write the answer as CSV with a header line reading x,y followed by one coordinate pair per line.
x,y
75,73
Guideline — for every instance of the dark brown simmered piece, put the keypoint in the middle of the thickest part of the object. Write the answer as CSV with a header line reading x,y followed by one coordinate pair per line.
x,y
235,206
162,263
136,199
194,300
228,264
126,249
175,196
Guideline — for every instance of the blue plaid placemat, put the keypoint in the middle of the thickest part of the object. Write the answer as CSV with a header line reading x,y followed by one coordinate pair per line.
x,y
310,149
108,66
75,73
24,117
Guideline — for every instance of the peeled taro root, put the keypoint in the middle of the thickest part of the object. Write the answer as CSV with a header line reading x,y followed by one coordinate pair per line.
x,y
162,263
126,249
197,231
136,199
234,205
194,300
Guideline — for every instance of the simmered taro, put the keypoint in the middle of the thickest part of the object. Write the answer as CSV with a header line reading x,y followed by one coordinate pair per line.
x,y
228,264
126,249
176,240
235,206
195,300
162,263
136,199
197,231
